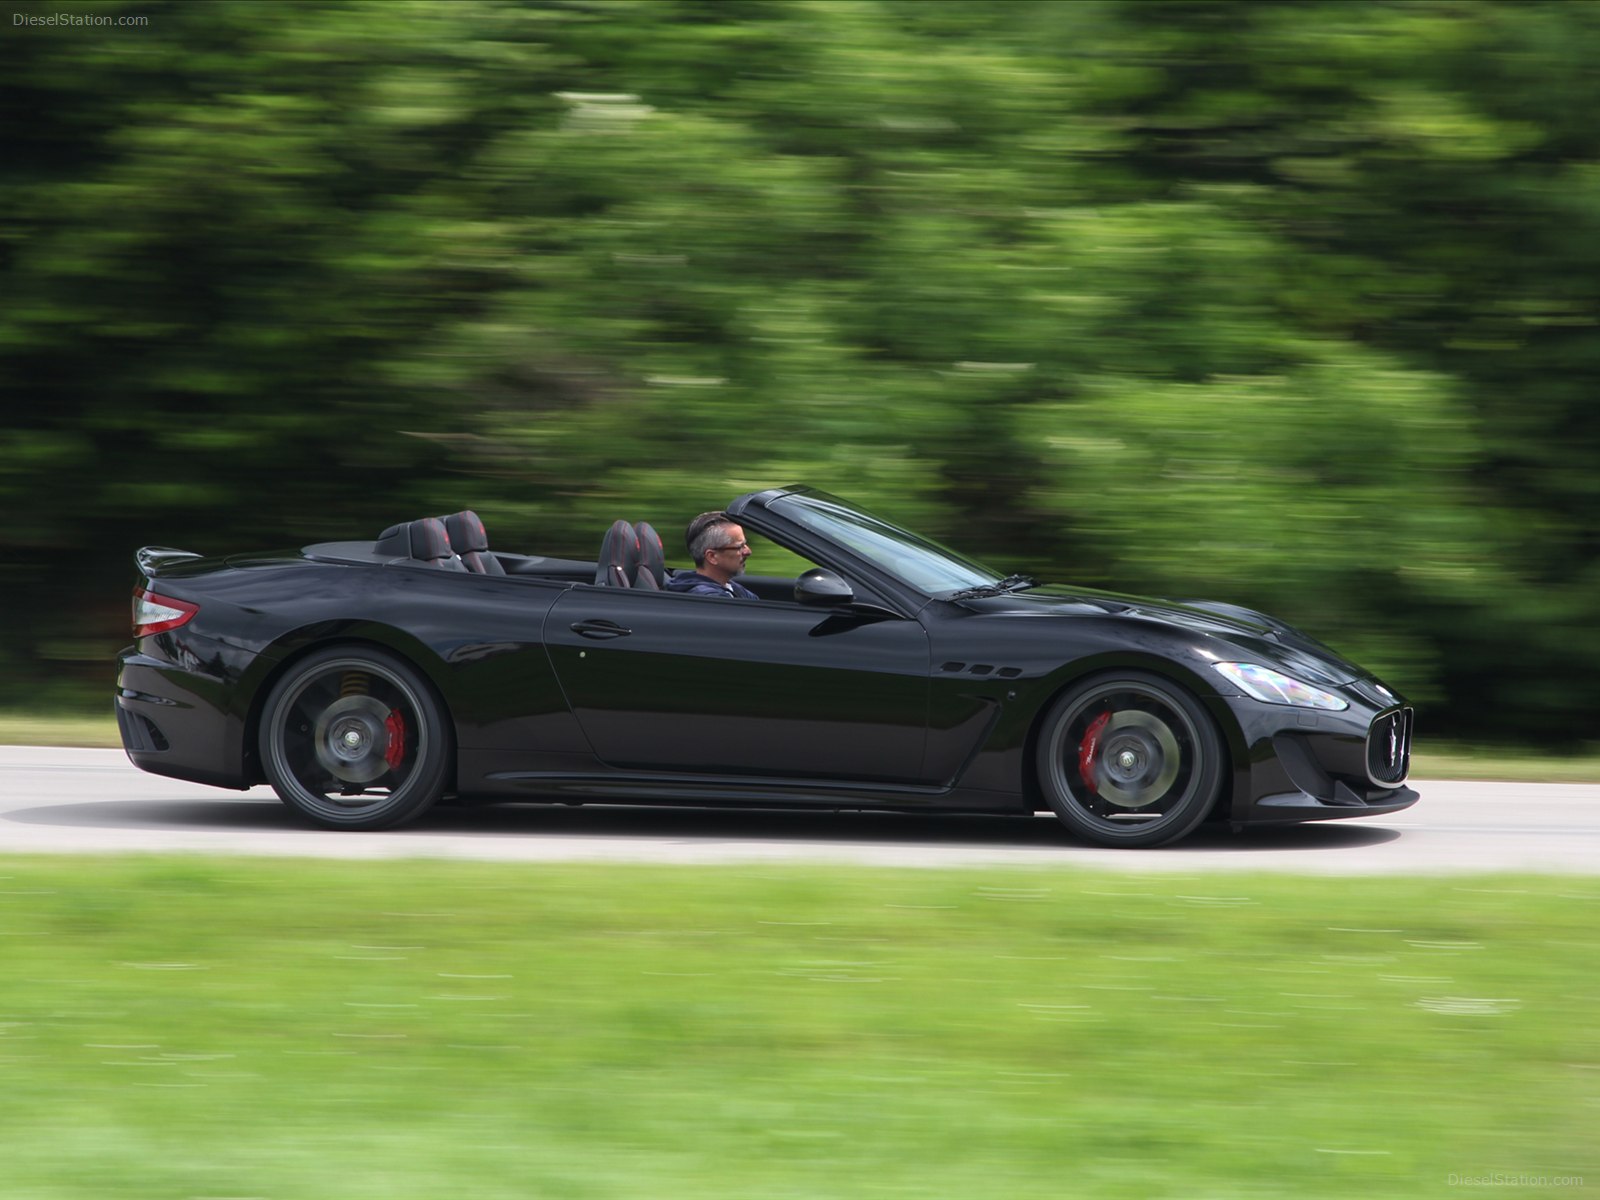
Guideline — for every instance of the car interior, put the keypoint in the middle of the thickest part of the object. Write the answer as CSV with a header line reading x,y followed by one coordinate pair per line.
x,y
631,555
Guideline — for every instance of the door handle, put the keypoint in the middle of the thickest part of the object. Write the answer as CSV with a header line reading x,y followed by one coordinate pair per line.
x,y
599,630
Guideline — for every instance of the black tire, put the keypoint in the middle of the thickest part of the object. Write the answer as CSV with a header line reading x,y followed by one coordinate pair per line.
x,y
352,737
1129,760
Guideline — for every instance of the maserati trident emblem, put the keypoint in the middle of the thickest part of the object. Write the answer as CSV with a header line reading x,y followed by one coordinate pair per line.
x,y
1394,743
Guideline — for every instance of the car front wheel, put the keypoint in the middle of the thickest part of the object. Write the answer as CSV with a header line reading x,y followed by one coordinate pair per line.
x,y
1129,760
352,737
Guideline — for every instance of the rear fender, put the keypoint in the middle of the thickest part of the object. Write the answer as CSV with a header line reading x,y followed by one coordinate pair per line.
x,y
274,660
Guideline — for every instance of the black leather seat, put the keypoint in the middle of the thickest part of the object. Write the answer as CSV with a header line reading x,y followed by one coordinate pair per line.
x,y
651,573
471,542
424,541
619,556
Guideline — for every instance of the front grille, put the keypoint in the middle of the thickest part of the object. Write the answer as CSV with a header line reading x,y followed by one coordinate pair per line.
x,y
1389,748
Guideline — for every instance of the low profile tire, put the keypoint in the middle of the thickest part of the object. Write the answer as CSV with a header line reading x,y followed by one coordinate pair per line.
x,y
1129,760
353,738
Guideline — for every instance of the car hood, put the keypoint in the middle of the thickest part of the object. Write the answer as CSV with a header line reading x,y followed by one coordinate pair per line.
x,y
1255,636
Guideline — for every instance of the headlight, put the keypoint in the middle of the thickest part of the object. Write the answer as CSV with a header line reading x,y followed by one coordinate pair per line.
x,y
1274,687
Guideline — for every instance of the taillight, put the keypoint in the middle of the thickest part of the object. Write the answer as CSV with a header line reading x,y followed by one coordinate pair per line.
x,y
157,614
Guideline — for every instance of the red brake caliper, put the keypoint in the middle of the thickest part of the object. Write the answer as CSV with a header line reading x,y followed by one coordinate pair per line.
x,y
395,752
1089,746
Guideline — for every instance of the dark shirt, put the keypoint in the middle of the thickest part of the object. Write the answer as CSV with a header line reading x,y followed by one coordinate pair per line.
x,y
697,584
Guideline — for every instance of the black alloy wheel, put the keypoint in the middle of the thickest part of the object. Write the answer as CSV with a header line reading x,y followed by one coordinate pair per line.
x,y
1129,760
352,737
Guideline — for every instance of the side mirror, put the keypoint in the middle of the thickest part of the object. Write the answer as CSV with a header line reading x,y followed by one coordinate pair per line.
x,y
823,589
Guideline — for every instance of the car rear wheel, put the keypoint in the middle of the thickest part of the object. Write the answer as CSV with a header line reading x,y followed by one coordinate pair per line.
x,y
353,738
1129,760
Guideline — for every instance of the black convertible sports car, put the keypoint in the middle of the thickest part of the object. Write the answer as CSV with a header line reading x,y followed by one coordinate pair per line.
x,y
366,680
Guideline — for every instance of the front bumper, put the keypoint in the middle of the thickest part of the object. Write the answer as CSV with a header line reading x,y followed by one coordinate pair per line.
x,y
1300,806
1296,765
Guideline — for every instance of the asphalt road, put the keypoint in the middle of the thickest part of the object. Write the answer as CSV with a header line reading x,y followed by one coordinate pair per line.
x,y
93,801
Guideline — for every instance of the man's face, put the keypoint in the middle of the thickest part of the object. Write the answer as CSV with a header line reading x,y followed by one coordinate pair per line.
x,y
725,558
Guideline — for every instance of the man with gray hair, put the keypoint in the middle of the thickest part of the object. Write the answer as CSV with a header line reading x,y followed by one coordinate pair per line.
x,y
717,544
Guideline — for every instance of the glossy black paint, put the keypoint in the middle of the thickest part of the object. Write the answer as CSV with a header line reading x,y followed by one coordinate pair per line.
x,y
558,688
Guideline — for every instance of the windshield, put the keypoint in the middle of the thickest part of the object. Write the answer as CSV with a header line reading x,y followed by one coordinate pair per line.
x,y
924,565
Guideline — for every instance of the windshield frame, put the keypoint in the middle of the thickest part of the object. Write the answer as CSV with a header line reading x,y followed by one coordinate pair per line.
x,y
909,559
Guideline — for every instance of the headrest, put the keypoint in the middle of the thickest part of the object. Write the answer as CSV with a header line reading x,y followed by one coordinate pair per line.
x,y
466,532
652,562
429,540
424,540
619,556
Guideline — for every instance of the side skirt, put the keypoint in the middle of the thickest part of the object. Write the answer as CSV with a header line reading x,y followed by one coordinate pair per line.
x,y
705,790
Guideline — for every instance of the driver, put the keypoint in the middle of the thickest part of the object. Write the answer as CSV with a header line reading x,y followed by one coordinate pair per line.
x,y
716,543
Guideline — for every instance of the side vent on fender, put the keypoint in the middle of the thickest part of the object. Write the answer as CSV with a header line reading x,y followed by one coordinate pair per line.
x,y
980,669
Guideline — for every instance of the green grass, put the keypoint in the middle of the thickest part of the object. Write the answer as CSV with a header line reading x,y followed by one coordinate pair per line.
x,y
1520,763
58,729
175,1027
